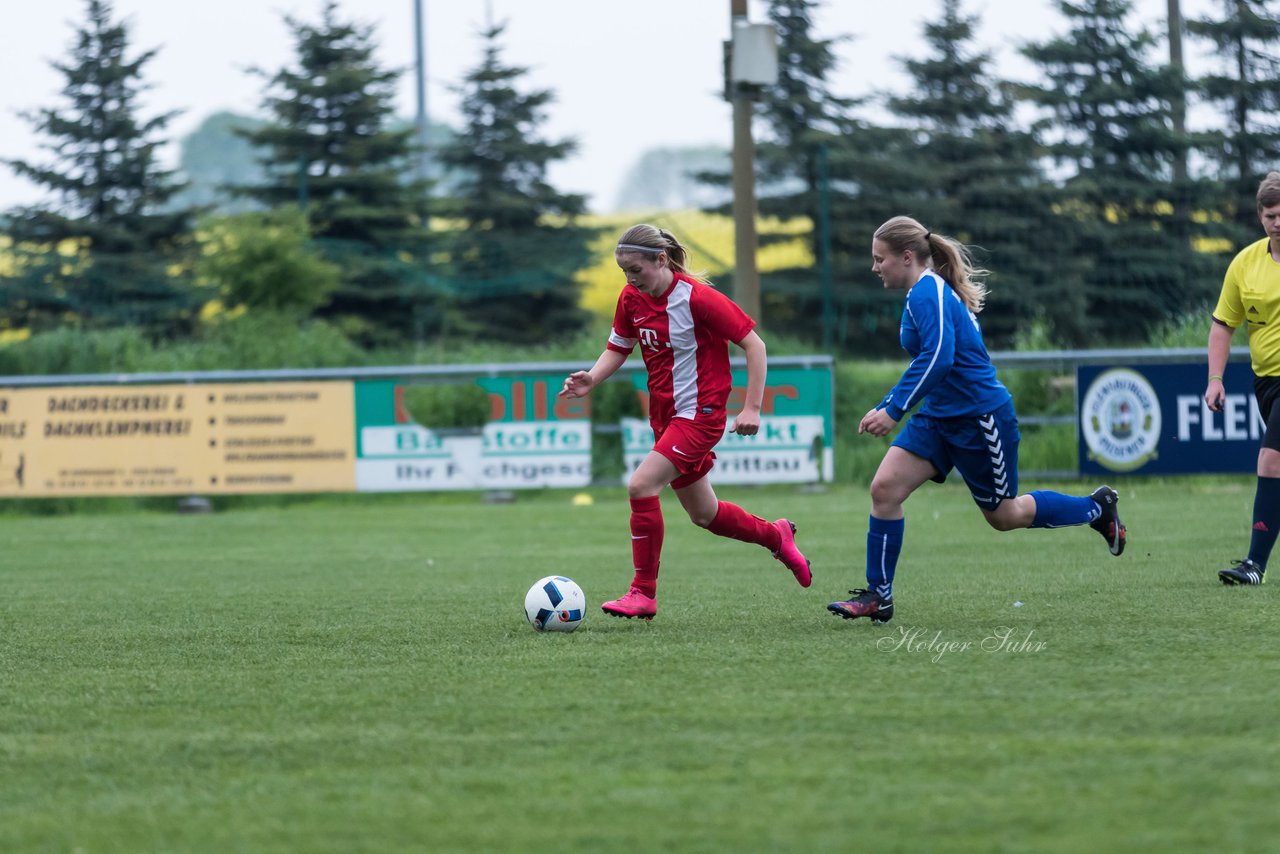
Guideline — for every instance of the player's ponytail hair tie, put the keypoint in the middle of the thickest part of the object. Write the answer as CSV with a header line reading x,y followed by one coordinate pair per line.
x,y
927,235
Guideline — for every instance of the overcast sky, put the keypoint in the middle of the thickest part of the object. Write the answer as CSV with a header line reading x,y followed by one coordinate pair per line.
x,y
627,76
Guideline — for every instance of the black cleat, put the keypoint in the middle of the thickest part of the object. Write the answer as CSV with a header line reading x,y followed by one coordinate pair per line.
x,y
1108,523
865,603
1242,572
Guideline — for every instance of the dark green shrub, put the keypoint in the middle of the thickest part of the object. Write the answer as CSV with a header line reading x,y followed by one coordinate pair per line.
x,y
72,351
265,260
611,402
262,340
446,406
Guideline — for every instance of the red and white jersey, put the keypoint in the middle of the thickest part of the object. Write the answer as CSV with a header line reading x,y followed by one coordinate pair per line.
x,y
683,336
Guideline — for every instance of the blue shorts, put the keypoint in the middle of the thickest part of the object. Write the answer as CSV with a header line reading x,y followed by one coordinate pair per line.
x,y
983,448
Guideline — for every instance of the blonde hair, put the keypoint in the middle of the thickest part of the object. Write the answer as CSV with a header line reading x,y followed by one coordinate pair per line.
x,y
1269,191
950,258
639,238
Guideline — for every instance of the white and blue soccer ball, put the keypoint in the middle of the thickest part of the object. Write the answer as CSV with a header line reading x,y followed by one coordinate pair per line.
x,y
555,604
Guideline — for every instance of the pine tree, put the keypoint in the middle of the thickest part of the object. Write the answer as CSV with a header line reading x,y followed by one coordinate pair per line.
x,y
982,177
331,149
514,259
1111,130
870,177
800,113
103,253
1246,36
815,159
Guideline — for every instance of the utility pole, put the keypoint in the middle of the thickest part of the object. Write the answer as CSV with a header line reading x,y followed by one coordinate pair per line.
x,y
824,250
424,157
1180,100
747,68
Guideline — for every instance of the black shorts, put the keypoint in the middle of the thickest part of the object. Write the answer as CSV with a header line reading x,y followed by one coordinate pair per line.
x,y
1267,391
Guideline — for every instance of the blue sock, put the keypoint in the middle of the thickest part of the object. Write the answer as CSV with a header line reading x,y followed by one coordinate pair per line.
x,y
1055,510
1266,520
884,542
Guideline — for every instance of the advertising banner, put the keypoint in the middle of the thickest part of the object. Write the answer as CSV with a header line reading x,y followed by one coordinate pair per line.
x,y
794,444
535,439
176,439
327,435
525,445
1152,419
788,449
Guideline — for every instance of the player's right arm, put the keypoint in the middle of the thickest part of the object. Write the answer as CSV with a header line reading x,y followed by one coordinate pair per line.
x,y
927,310
1228,314
622,340
1219,351
580,383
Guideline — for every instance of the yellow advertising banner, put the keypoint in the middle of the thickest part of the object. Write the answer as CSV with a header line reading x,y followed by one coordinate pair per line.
x,y
229,438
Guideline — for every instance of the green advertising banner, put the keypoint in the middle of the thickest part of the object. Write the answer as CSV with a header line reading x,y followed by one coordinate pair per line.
x,y
535,439
531,440
794,444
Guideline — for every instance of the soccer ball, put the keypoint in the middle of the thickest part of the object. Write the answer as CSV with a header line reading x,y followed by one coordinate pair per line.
x,y
555,604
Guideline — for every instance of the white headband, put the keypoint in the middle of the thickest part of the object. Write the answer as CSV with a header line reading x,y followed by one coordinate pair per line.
x,y
632,247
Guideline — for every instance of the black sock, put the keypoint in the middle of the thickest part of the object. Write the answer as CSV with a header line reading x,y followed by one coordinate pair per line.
x,y
1266,520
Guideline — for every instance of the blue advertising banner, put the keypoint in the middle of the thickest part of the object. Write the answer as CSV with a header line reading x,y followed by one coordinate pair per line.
x,y
1152,419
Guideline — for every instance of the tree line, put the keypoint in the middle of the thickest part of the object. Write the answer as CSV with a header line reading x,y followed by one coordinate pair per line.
x,y
1099,214
339,227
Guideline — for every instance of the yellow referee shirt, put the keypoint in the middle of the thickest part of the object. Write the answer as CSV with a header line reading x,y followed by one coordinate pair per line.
x,y
1251,296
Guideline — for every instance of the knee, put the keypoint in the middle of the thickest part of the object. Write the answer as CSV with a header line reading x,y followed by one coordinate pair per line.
x,y
639,487
882,492
1268,463
702,518
1002,522
1012,514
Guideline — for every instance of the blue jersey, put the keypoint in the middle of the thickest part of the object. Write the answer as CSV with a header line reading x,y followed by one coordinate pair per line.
x,y
950,369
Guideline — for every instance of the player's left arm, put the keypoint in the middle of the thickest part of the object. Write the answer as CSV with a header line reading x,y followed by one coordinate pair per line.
x,y
747,422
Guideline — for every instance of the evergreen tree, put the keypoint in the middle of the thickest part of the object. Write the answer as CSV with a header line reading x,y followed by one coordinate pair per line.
x,y
870,177
330,148
102,254
1111,130
982,177
1246,36
800,114
814,159
514,259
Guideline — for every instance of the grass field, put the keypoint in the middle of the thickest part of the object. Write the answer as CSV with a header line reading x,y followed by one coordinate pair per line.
x,y
357,675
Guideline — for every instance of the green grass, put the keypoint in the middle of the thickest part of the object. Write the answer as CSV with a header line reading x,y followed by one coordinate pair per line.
x,y
358,676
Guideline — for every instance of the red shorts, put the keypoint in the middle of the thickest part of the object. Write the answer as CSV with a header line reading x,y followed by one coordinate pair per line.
x,y
688,444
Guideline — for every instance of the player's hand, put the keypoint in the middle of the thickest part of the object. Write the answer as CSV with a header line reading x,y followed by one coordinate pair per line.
x,y
747,423
876,422
577,384
1215,395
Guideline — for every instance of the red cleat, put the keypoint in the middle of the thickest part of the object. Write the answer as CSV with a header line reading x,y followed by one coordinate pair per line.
x,y
789,555
634,604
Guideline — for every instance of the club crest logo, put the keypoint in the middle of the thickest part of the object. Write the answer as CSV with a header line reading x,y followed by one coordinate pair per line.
x,y
1120,420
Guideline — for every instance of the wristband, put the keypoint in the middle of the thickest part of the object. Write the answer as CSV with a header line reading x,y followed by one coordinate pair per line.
x,y
1217,377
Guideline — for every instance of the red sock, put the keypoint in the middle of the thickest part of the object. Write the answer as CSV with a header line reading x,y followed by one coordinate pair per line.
x,y
732,521
646,543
